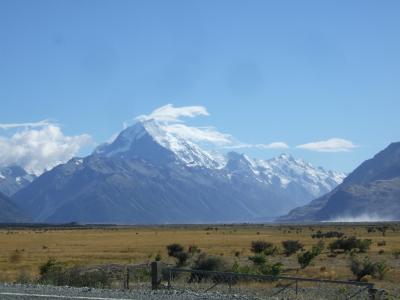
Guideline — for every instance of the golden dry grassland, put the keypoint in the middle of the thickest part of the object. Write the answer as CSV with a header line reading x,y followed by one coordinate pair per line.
x,y
24,250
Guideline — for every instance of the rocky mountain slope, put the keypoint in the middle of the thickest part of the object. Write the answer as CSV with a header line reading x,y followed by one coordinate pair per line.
x,y
370,192
149,175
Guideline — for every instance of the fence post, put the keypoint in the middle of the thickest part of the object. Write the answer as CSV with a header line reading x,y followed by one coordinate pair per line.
x,y
169,278
127,278
156,274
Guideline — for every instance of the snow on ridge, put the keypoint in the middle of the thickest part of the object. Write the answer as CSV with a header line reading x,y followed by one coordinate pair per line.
x,y
282,170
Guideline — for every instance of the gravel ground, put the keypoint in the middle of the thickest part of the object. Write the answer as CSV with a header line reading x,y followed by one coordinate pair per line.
x,y
26,291
45,292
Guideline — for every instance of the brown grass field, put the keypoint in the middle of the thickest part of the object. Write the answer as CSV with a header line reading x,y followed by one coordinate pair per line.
x,y
23,250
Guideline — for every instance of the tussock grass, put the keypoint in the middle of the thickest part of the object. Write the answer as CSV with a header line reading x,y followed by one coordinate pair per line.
x,y
22,251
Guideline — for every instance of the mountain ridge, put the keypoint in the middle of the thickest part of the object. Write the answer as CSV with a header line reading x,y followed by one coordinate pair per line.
x,y
149,175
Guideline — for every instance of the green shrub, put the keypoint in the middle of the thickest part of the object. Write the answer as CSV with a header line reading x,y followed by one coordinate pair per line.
x,y
361,268
348,244
272,269
291,247
55,273
306,257
396,254
50,272
210,263
258,259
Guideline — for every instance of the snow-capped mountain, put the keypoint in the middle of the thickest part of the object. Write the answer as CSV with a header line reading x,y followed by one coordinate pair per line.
x,y
149,174
14,178
151,131
283,170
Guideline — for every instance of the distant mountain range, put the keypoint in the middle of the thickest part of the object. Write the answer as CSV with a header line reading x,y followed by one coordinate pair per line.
x,y
14,178
370,193
149,175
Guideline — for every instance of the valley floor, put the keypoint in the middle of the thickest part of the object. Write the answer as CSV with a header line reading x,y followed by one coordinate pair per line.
x,y
24,250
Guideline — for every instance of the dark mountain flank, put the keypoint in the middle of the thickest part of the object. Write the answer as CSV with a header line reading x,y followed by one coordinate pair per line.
x,y
370,192
9,212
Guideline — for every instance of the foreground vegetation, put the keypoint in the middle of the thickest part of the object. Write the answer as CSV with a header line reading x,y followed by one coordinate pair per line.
x,y
366,252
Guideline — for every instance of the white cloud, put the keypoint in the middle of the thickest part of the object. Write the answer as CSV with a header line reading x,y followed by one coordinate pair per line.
x,y
39,146
198,134
274,145
169,118
169,113
25,125
330,145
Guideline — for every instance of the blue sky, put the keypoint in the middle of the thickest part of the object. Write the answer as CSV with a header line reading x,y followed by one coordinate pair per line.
x,y
266,71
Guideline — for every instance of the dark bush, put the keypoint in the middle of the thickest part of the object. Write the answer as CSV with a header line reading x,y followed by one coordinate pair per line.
x,y
182,258
348,244
290,247
209,263
330,234
173,249
260,246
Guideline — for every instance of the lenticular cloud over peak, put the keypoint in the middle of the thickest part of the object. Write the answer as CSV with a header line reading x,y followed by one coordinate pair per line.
x,y
169,113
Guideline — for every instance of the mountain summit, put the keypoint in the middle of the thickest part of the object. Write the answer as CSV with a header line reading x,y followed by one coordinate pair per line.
x,y
150,174
150,141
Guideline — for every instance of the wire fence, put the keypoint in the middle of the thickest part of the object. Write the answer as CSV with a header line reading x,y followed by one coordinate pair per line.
x,y
157,275
264,286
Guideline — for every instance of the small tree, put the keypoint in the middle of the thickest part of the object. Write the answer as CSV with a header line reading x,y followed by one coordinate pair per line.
x,y
291,247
